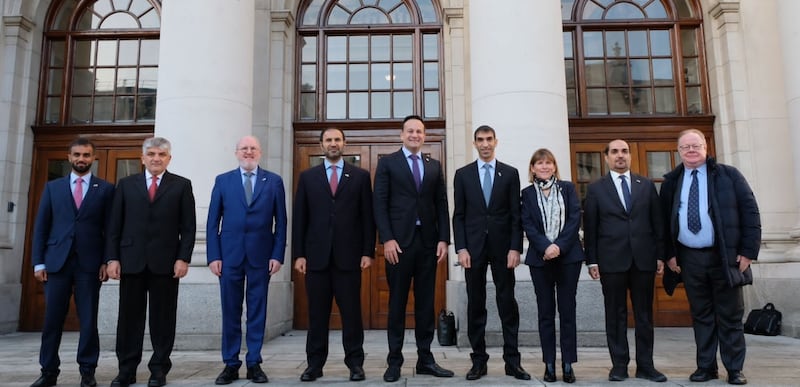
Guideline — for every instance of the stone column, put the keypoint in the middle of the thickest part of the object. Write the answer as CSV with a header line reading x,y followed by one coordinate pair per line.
x,y
790,38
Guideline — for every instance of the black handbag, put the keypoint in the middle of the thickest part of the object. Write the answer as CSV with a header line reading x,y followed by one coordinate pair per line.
x,y
446,331
766,322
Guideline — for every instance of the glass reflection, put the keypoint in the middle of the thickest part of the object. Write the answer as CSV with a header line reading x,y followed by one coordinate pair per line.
x,y
308,106
431,75
615,44
427,10
381,77
127,167
637,41
337,76
119,20
597,101
642,100
359,48
403,104
589,165
401,15
432,104
430,47
149,52
689,42
665,100
658,164
402,76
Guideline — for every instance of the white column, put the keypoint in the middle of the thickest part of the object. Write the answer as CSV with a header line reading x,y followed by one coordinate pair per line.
x,y
517,78
790,39
205,87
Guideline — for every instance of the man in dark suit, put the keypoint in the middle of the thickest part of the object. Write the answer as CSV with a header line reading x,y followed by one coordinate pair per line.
x,y
246,232
411,213
623,234
488,233
150,243
333,239
67,254
714,234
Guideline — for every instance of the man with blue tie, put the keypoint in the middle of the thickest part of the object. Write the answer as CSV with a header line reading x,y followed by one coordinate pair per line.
x,y
714,234
67,255
246,232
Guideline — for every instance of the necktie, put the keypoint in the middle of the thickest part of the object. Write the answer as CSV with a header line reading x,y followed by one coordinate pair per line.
x,y
153,187
693,208
415,171
248,187
487,182
77,194
334,179
626,192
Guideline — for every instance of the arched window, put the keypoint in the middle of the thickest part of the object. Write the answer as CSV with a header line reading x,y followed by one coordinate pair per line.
x,y
368,60
634,58
100,63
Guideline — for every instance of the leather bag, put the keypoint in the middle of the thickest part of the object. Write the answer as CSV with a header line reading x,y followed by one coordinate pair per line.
x,y
766,321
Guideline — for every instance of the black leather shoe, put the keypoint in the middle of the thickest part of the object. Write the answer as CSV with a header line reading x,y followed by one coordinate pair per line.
x,y
517,372
476,371
617,374
549,373
736,377
650,374
228,375
88,380
392,374
703,375
569,373
46,380
256,374
311,374
435,370
157,380
357,374
123,381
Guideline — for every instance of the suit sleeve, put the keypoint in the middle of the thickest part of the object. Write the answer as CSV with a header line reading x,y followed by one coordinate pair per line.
x,y
279,209
657,220
514,206
459,212
749,217
368,228
188,224
569,233
213,247
538,240
381,201
667,197
116,219
42,226
590,225
300,219
442,209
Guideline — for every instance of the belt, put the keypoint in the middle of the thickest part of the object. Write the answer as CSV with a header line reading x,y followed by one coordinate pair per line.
x,y
700,249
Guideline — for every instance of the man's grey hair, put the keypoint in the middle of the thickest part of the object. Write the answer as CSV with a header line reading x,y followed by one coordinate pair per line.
x,y
157,142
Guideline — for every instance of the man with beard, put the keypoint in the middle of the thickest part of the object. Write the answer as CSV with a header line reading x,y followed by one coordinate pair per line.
x,y
247,204
624,240
333,239
67,254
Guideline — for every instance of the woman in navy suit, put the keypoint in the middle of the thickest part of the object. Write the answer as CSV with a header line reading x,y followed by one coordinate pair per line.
x,y
551,218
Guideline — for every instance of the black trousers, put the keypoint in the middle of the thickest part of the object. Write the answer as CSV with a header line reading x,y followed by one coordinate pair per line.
x,y
134,292
321,288
556,284
615,294
717,309
418,264
507,308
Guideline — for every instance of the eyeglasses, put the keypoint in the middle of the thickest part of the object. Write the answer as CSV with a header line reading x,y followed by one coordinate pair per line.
x,y
684,148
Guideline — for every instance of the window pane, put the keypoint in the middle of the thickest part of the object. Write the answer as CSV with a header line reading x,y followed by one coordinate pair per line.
x,y
597,101
427,11
149,54
658,164
128,52
402,47
124,109
312,12
369,16
350,5
57,54
126,80
402,76
148,80
690,71
656,10
83,82
106,53
640,71
568,50
117,21
569,72
589,165
431,75
403,104
618,72
389,4
595,73
309,50
359,105
615,44
689,42
592,11
137,7
624,11
337,77
642,101
127,167
618,101
146,108
308,105
566,9
150,20
88,21
432,104
104,81
401,15
593,44
684,9
380,105
359,47
694,105
359,77
337,106
637,41
380,48
662,72
430,47
103,109
381,77
665,100
81,107
572,102
64,14
83,54
52,111
338,16
659,43
308,79
337,48
55,80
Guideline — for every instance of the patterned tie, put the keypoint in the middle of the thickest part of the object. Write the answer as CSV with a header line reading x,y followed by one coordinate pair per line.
x,y
77,194
248,188
334,179
693,208
487,183
153,187
415,171
626,192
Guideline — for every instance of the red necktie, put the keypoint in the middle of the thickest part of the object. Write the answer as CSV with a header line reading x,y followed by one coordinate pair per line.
x,y
153,188
334,179
77,194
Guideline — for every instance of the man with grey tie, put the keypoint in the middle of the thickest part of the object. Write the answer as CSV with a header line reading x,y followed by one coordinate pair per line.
x,y
714,234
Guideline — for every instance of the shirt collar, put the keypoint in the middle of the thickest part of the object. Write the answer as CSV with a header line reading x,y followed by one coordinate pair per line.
x,y
409,153
615,175
73,176
339,164
492,163
701,170
149,175
242,171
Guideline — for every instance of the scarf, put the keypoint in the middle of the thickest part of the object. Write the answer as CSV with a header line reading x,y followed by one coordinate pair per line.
x,y
551,206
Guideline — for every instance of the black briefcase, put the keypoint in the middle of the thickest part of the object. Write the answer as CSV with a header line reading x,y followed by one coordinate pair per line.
x,y
766,322
446,331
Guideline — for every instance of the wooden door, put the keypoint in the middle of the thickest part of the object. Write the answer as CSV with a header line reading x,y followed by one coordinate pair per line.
x,y
652,159
374,288
49,164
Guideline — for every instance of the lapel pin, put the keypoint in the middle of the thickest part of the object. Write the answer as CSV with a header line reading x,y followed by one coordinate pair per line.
x,y
500,174
263,179
94,185
638,181
346,175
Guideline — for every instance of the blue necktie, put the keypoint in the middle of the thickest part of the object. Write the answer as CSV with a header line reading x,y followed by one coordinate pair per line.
x,y
626,193
415,171
693,208
487,183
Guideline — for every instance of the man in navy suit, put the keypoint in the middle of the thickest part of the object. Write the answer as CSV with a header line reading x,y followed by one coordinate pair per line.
x,y
411,214
246,232
68,246
149,248
624,241
488,233
333,240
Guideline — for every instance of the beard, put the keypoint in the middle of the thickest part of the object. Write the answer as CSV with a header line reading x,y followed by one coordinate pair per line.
x,y
81,169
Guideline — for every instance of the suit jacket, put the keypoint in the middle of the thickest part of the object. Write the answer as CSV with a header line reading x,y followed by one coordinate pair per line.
x,y
398,204
236,231
152,235
61,228
567,240
615,239
474,222
339,226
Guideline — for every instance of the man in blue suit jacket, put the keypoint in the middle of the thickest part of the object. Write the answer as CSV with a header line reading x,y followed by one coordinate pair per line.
x,y
68,246
246,231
